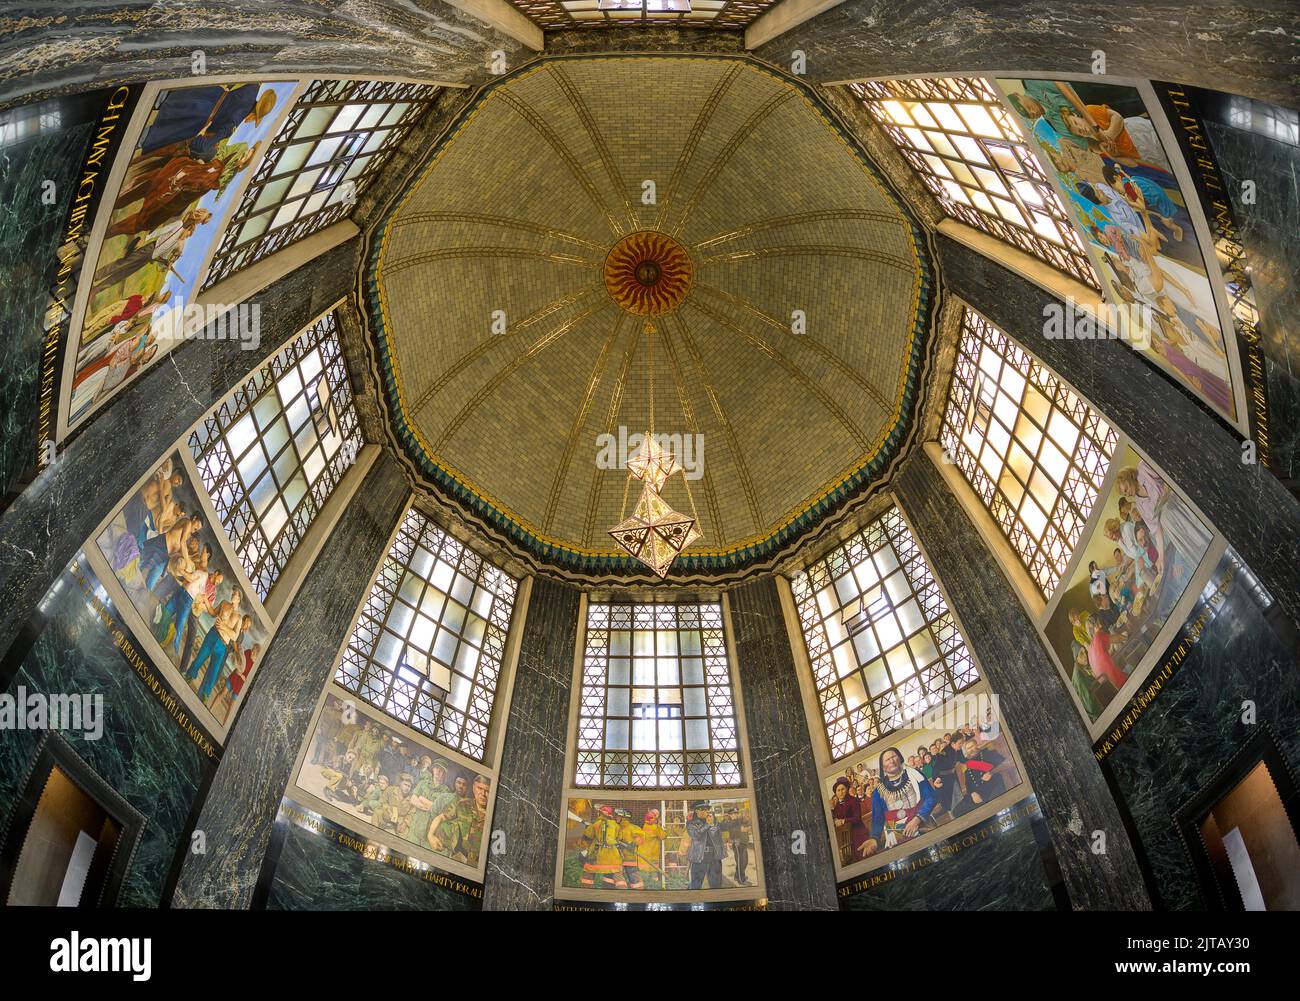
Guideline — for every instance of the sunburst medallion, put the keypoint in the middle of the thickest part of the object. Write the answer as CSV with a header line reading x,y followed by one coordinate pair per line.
x,y
648,273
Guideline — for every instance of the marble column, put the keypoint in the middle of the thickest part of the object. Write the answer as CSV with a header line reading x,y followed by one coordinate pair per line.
x,y
1245,48
531,779
259,755
60,509
1247,503
781,756
1071,789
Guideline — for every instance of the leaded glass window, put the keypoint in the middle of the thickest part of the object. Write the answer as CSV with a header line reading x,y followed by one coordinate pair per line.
x,y
552,14
429,644
883,645
273,451
970,152
330,147
1034,451
657,708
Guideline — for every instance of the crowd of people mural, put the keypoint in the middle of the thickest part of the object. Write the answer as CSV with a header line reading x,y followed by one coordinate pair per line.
x,y
182,177
371,771
166,555
919,781
672,844
1138,563
1104,150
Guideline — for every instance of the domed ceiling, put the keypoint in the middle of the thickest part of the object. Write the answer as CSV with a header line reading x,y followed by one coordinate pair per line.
x,y
505,353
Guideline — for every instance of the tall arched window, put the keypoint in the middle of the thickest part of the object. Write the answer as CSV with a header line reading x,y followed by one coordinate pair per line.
x,y
881,641
657,708
428,646
1033,450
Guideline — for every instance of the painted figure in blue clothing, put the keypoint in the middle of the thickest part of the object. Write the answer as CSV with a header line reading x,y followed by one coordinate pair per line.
x,y
221,638
902,803
195,120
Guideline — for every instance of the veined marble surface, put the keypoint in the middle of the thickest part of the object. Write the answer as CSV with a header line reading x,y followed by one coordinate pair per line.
x,y
261,749
1000,872
143,753
316,873
1246,47
31,230
531,779
1195,726
73,45
1058,757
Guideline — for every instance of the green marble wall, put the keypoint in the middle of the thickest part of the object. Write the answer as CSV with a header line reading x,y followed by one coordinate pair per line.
x,y
30,234
142,753
1195,725
316,873
1003,870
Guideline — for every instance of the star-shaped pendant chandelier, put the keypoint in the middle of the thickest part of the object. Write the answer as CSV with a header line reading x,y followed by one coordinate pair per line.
x,y
648,274
655,534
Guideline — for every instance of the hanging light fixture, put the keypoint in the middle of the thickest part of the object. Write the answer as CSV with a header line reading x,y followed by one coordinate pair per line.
x,y
648,273
655,534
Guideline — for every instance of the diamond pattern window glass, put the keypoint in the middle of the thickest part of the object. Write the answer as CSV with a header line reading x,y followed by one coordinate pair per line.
x,y
657,707
428,646
330,147
971,153
729,14
1035,452
881,641
274,450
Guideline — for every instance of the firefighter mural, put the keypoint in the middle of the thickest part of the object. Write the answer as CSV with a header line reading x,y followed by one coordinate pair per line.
x,y
699,844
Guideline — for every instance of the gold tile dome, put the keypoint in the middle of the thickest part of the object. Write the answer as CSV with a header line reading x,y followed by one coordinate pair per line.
x,y
507,288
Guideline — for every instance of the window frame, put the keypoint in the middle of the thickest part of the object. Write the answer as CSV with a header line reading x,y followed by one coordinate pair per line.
x,y
211,451
1084,475
234,252
659,599
1068,256
953,643
374,612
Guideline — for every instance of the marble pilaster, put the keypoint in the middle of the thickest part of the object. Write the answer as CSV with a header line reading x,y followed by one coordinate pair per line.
x,y
260,751
1071,789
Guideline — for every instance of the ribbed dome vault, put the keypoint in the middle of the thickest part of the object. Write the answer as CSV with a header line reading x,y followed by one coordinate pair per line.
x,y
511,223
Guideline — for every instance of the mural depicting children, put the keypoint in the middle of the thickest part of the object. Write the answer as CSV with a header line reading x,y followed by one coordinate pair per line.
x,y
1103,147
1146,546
169,560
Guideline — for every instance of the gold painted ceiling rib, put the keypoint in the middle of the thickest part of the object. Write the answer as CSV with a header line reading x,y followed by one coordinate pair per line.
x,y
811,342
615,405
483,346
693,140
579,422
728,151
808,383
495,220
473,253
543,128
693,427
733,443
798,218
491,386
815,250
593,132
